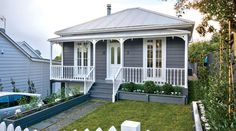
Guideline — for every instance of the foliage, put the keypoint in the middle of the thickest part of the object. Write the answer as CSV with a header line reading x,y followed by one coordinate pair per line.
x,y
51,98
212,10
168,88
149,87
129,87
195,91
73,91
198,50
14,89
31,88
153,116
58,58
152,88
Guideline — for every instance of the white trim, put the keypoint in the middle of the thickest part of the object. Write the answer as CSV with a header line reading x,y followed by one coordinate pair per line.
x,y
62,55
76,46
186,61
163,39
126,35
108,58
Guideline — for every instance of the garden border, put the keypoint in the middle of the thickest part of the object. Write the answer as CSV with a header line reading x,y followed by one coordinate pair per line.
x,y
41,115
172,99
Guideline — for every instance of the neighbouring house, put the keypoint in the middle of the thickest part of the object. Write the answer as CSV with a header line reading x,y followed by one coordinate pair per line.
x,y
132,45
20,62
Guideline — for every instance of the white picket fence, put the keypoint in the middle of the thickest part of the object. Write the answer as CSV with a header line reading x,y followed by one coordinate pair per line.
x,y
125,126
10,127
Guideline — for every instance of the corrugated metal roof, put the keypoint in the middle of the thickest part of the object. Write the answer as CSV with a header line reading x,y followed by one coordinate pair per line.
x,y
129,19
126,35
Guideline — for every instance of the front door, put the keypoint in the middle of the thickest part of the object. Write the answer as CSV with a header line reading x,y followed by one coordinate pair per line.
x,y
113,59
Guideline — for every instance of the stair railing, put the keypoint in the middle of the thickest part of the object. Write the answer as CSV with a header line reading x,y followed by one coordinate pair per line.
x,y
89,79
117,81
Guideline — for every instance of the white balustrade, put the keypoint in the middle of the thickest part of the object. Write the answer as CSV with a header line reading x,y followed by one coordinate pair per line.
x,y
89,79
117,81
174,76
59,72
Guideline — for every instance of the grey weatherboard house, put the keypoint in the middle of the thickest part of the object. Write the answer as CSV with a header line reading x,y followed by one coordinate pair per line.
x,y
21,62
132,45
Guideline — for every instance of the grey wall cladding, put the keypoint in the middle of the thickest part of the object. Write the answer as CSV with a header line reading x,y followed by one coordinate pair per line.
x,y
133,55
14,64
101,51
174,52
68,53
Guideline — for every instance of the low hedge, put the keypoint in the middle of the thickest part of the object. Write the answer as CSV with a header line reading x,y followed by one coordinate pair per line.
x,y
151,88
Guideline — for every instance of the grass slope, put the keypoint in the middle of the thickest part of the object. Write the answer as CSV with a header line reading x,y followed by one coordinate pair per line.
x,y
153,116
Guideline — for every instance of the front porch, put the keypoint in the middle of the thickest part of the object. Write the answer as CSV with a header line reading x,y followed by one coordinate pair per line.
x,y
139,58
173,76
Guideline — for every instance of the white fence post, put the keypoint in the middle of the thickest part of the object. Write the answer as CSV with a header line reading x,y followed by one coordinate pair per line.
x,y
112,129
3,126
18,128
99,129
130,126
10,127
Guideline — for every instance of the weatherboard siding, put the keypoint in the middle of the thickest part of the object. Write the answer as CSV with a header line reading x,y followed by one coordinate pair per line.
x,y
101,52
174,52
68,53
133,53
14,64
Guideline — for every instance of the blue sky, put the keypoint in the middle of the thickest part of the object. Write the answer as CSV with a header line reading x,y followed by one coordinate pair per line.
x,y
35,21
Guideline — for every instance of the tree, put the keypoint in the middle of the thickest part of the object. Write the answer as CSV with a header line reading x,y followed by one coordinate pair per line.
x,y
223,12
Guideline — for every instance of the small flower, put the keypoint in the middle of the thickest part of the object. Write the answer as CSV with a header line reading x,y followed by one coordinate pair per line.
x,y
58,99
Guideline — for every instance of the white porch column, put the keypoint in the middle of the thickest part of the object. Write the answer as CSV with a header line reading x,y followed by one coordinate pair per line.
x,y
121,40
51,44
62,55
186,61
94,58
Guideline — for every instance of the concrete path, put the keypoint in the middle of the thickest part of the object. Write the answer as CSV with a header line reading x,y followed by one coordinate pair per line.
x,y
57,122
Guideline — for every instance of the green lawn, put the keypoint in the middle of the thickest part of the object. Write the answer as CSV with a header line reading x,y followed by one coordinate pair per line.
x,y
153,116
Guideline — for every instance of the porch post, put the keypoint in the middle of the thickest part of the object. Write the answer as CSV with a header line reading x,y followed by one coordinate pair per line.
x,y
62,55
121,40
51,44
94,58
186,62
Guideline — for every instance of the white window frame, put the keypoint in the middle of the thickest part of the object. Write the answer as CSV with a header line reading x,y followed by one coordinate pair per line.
x,y
145,43
76,46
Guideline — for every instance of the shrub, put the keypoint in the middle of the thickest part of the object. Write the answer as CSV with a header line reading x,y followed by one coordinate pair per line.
x,y
177,90
168,88
149,87
51,98
129,87
31,88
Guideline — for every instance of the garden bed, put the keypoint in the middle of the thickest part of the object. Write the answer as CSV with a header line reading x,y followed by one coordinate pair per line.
x,y
124,95
150,92
39,114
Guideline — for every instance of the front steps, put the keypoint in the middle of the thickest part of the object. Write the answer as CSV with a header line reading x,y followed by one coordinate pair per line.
x,y
101,90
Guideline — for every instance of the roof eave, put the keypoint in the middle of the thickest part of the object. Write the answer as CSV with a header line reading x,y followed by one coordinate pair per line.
x,y
133,28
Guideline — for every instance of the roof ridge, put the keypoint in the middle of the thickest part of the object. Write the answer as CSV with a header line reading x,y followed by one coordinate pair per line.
x,y
57,32
166,15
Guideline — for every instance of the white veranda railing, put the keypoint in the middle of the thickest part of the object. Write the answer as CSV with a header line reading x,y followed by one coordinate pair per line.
x,y
89,79
173,76
117,81
59,72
